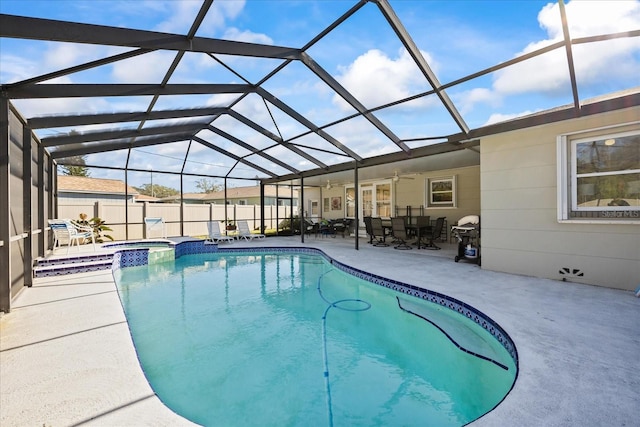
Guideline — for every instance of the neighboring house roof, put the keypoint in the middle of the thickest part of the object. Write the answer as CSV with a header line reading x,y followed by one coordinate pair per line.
x,y
146,198
248,192
82,184
185,196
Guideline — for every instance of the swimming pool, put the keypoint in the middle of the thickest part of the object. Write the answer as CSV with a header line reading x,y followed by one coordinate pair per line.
x,y
291,339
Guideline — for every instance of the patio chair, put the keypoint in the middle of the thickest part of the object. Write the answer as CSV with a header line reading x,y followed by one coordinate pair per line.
x,y
155,223
245,233
66,230
368,229
421,222
311,227
378,235
214,233
399,230
434,233
326,229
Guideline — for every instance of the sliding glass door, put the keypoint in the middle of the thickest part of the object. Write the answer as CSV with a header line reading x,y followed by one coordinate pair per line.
x,y
375,200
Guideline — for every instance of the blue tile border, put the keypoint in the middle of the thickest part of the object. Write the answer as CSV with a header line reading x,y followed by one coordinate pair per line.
x,y
435,297
133,257
137,257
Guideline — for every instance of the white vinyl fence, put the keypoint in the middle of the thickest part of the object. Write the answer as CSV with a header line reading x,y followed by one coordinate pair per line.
x,y
117,216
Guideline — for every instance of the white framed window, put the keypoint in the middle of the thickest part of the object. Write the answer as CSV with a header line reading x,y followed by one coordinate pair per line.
x,y
441,192
314,208
599,175
350,202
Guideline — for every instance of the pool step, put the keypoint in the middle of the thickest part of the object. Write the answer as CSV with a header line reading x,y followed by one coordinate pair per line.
x,y
74,259
59,266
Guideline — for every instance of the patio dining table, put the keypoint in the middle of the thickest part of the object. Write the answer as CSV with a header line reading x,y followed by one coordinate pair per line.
x,y
419,230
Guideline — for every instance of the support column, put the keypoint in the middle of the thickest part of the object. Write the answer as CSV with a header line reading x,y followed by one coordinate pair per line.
x,y
181,205
357,200
301,209
5,244
262,227
126,204
42,221
27,185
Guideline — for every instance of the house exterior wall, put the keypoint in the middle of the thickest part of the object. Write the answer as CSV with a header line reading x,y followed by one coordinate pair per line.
x,y
413,192
520,231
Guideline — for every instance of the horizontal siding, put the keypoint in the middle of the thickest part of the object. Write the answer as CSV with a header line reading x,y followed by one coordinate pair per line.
x,y
519,226
602,271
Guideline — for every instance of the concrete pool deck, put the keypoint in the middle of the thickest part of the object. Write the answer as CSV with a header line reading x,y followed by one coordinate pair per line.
x,y
67,359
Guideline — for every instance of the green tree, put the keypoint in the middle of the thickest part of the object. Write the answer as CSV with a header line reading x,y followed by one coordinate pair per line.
x,y
156,190
206,185
76,166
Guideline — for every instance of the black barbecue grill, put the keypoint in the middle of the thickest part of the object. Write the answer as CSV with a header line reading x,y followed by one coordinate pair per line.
x,y
467,232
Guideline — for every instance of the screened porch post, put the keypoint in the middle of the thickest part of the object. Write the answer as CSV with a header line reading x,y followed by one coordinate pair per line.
x,y
356,226
41,202
301,209
126,204
262,208
27,187
5,261
225,207
181,205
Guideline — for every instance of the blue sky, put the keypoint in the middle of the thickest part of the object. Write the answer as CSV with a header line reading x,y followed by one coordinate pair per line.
x,y
457,38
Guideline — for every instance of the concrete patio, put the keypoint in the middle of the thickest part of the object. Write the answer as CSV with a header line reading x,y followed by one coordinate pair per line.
x,y
67,358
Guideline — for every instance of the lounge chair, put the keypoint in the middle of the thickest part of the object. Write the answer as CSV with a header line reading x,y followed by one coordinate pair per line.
x,y
399,230
68,231
245,233
214,233
155,223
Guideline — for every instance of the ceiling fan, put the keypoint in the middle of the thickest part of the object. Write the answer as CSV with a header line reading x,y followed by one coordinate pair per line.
x,y
397,177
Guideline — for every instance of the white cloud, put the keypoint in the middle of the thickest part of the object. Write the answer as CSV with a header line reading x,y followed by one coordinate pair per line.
x,y
63,55
468,99
182,13
221,99
498,117
549,72
42,107
147,68
15,68
246,36
374,70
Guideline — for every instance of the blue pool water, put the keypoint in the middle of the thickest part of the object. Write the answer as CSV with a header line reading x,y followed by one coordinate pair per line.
x,y
289,340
